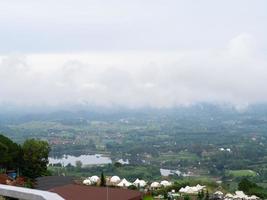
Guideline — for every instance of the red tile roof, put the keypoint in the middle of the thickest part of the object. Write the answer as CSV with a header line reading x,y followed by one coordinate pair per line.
x,y
81,192
4,178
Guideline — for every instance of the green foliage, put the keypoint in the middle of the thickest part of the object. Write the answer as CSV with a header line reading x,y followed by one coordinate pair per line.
x,y
240,173
118,164
186,197
28,184
207,196
31,158
78,164
35,158
200,195
245,185
10,153
148,198
251,188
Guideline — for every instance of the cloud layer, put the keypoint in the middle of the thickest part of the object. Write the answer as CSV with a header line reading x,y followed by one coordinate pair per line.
x,y
132,53
50,26
235,73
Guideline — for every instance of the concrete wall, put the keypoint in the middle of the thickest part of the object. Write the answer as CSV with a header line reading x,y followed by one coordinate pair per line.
x,y
27,194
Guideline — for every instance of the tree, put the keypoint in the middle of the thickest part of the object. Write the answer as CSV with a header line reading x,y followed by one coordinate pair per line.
x,y
207,197
102,180
186,197
251,188
79,164
199,196
35,158
245,185
202,195
118,164
10,153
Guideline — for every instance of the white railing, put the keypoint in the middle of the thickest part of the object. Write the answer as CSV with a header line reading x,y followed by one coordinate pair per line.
x,y
27,194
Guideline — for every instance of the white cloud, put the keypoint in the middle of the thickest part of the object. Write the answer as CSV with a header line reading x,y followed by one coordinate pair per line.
x,y
235,74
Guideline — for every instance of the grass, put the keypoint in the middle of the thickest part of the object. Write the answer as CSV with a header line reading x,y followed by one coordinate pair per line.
x,y
180,156
148,198
187,155
241,173
264,185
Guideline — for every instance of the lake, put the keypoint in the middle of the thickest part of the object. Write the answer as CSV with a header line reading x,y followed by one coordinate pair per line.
x,y
96,159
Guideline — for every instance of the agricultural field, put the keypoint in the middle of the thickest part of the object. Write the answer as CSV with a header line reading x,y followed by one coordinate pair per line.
x,y
241,173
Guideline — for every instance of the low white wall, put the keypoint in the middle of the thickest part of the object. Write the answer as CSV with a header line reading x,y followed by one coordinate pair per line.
x,y
27,194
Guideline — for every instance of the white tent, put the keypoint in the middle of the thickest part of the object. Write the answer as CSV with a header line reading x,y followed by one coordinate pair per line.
x,y
165,183
139,183
183,190
124,183
253,197
142,183
115,179
229,196
155,185
94,179
219,193
87,182
192,190
136,182
200,187
240,195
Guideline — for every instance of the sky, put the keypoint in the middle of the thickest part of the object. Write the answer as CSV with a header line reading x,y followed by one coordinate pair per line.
x,y
154,53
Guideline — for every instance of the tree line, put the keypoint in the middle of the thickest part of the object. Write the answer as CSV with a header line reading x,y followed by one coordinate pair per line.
x,y
29,159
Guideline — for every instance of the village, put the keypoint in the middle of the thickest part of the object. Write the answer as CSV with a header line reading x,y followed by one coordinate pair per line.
x,y
195,192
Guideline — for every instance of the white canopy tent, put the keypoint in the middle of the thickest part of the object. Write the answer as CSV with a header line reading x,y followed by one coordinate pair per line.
x,y
139,183
115,179
87,182
242,195
155,185
192,190
165,183
218,193
124,183
94,179
229,196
